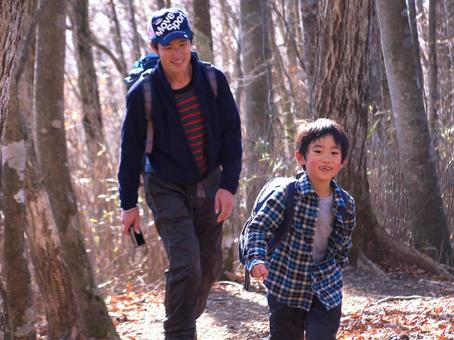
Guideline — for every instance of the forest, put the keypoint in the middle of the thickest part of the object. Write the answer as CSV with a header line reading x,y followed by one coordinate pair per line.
x,y
383,69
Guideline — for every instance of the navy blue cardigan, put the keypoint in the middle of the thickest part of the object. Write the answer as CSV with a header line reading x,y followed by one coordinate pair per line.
x,y
171,158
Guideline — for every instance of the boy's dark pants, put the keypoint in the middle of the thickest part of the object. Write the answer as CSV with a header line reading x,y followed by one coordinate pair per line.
x,y
288,323
192,239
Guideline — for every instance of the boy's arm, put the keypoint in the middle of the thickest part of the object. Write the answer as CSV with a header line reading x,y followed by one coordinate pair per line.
x,y
344,241
262,227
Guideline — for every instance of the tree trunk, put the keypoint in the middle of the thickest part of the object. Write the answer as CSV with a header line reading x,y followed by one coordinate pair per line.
x,y
88,87
340,92
448,6
230,228
11,31
98,154
285,83
52,274
116,33
258,98
52,156
3,313
16,315
433,73
136,40
202,29
413,24
161,3
295,62
308,14
17,276
416,152
287,77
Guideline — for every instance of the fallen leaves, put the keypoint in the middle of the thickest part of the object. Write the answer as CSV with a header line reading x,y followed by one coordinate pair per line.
x,y
426,312
419,318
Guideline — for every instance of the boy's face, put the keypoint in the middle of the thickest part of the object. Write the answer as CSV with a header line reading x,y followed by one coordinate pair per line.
x,y
176,56
323,160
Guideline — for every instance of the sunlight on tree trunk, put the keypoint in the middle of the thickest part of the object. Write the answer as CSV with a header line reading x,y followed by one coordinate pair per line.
x,y
416,152
432,111
202,29
16,315
137,43
308,15
17,276
98,152
258,98
115,29
3,314
51,145
340,92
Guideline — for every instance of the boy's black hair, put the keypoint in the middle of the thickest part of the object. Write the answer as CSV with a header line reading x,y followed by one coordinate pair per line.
x,y
307,132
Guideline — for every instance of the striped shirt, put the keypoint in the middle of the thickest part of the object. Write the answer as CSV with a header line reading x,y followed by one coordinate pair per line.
x,y
293,277
191,118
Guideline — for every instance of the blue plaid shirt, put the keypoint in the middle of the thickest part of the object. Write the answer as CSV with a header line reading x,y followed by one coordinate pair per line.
x,y
293,277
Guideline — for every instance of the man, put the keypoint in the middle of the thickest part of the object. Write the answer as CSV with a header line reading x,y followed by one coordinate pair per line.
x,y
195,166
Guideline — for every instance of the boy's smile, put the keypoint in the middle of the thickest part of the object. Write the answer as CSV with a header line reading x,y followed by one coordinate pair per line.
x,y
323,161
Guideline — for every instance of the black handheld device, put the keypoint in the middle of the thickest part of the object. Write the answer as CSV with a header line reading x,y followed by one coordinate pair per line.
x,y
137,239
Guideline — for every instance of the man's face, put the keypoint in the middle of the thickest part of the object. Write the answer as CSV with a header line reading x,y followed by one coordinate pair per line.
x,y
323,159
176,56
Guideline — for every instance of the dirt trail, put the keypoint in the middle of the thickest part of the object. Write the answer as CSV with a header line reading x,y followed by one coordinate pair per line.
x,y
407,306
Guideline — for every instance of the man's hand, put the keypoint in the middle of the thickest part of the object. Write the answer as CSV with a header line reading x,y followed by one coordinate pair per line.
x,y
260,271
130,217
223,204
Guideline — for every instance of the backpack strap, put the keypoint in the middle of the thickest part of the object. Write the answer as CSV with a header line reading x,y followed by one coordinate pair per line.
x,y
147,95
284,227
281,230
212,78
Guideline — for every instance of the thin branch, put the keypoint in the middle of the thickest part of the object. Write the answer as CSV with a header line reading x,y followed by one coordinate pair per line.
x,y
103,48
109,53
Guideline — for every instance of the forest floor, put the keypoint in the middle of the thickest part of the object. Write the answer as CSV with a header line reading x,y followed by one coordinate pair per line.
x,y
409,304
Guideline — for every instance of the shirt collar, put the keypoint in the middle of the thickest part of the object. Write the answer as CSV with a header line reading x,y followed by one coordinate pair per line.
x,y
305,186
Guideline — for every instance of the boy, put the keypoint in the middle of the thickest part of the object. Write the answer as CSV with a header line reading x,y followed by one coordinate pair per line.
x,y
303,275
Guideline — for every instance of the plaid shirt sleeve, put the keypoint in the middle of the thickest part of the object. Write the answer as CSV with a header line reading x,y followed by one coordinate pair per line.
x,y
344,234
262,227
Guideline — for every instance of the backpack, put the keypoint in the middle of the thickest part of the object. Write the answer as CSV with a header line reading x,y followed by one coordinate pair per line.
x,y
267,190
142,69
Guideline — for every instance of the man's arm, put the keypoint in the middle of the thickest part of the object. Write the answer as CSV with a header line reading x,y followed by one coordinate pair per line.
x,y
231,149
131,152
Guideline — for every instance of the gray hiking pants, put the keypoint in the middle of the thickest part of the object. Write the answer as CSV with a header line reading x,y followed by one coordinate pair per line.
x,y
186,222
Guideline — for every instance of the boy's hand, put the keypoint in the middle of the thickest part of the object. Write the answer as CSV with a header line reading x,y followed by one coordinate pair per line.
x,y
259,271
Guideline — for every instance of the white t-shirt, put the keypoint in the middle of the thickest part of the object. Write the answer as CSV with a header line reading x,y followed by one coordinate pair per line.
x,y
323,227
